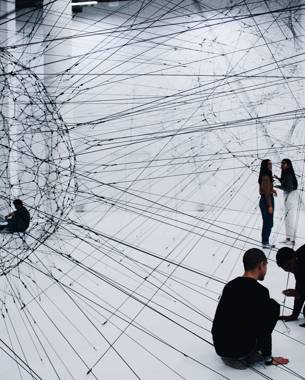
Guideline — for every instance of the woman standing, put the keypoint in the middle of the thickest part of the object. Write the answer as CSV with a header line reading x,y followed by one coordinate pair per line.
x,y
289,185
266,202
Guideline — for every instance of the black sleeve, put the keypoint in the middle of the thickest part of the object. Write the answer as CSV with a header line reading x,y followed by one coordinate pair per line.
x,y
300,282
297,306
298,302
265,320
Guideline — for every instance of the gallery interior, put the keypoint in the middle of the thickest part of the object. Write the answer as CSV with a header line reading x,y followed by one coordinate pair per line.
x,y
134,131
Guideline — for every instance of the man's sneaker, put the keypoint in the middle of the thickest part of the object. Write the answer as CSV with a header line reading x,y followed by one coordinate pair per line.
x,y
288,242
268,246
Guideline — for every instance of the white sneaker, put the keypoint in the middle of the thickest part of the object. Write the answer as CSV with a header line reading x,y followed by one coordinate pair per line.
x,y
268,246
288,242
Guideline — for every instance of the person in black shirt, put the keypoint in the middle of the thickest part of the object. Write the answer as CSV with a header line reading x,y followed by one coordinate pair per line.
x,y
246,316
294,262
19,220
289,185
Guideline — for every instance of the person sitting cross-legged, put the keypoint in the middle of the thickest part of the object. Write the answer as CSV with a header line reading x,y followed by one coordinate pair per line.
x,y
246,316
18,220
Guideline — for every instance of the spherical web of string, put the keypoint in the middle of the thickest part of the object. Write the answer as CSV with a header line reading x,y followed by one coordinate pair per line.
x,y
37,160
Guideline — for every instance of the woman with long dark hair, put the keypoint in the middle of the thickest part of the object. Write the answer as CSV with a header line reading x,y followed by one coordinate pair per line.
x,y
266,202
289,185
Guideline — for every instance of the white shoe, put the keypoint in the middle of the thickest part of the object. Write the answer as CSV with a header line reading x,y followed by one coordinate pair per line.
x,y
268,246
288,241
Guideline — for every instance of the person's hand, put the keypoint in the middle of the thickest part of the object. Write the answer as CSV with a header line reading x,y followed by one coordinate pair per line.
x,y
288,318
291,293
8,216
278,360
270,210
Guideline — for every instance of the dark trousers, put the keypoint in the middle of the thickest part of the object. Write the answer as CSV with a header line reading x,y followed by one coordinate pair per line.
x,y
267,219
262,342
11,227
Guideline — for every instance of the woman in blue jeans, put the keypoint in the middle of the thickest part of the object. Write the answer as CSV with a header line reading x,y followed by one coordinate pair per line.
x,y
266,202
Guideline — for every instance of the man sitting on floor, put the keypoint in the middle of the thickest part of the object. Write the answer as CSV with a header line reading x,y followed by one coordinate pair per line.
x,y
246,316
19,220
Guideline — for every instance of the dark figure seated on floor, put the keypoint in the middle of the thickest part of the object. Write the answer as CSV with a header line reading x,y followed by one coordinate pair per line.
x,y
246,316
17,221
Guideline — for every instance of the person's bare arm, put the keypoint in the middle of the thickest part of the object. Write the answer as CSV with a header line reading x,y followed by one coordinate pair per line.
x,y
298,303
288,318
291,293
267,191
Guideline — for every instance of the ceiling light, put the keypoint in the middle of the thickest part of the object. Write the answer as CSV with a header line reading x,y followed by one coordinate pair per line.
x,y
84,3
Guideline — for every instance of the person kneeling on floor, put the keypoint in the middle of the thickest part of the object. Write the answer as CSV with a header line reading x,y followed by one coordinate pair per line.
x,y
294,262
18,220
246,316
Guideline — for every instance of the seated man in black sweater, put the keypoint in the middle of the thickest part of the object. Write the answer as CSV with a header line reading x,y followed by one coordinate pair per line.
x,y
246,316
19,220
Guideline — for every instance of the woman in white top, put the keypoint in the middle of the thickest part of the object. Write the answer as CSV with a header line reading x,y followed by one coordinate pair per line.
x,y
289,185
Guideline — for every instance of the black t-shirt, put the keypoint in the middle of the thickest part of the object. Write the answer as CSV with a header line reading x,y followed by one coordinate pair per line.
x,y
288,182
241,318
